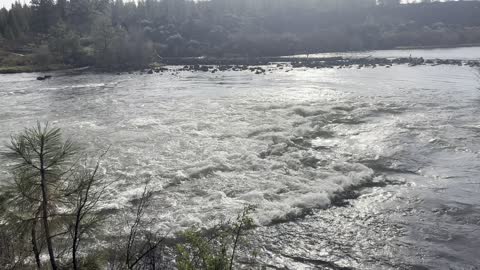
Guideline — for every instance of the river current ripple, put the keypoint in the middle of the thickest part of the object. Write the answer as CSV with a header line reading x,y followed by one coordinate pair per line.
x,y
364,169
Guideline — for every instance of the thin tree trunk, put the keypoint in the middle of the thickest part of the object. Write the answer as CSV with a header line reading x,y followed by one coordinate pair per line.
x,y
46,226
237,236
80,212
35,249
76,237
74,251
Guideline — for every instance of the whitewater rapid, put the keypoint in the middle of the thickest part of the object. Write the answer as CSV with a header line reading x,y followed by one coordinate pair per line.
x,y
327,156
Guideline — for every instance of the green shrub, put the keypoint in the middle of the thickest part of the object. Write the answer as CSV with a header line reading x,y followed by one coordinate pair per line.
x,y
217,248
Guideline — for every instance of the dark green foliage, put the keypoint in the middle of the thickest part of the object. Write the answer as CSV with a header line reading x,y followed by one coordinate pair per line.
x,y
14,23
39,185
115,47
217,248
43,16
13,248
64,43
50,196
42,56
92,262
129,35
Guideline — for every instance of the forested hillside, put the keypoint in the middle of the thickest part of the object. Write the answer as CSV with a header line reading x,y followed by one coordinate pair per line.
x,y
119,35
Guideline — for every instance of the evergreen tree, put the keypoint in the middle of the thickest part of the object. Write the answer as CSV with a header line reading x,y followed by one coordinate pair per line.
x,y
3,20
9,33
42,161
43,15
13,24
50,194
61,8
80,14
64,43
228,27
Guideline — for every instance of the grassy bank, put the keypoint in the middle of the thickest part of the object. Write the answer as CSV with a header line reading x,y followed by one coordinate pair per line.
x,y
31,68
11,62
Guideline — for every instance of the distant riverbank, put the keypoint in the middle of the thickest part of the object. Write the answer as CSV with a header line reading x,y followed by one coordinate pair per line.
x,y
262,66
31,69
413,57
437,46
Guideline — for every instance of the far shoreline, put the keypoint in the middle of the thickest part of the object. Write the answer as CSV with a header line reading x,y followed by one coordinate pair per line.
x,y
433,47
299,60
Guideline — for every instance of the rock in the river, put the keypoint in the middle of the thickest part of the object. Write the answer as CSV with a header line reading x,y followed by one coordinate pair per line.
x,y
42,78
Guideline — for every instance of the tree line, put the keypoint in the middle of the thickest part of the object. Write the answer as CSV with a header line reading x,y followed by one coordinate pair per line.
x,y
118,34
51,217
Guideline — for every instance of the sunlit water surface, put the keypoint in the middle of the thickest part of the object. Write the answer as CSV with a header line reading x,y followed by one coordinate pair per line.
x,y
406,139
462,53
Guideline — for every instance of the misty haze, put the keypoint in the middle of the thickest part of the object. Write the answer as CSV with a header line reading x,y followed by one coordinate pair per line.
x,y
239,134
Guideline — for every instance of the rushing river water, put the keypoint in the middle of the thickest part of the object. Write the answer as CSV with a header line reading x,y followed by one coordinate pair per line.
x,y
400,145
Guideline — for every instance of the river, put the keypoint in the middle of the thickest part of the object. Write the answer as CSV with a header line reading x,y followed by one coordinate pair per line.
x,y
460,53
400,145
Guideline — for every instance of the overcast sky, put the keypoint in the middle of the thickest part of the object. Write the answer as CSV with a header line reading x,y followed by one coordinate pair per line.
x,y
6,3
